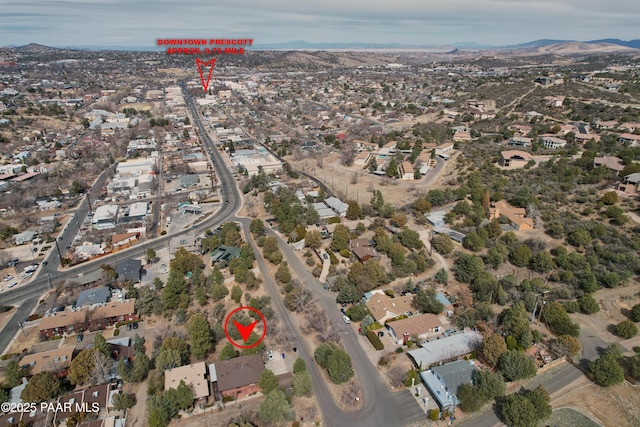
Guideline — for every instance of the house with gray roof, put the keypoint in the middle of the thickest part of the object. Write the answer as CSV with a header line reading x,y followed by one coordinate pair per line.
x,y
444,381
93,296
445,349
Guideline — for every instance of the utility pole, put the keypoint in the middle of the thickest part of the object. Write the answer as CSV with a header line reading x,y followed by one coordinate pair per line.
x,y
49,280
544,301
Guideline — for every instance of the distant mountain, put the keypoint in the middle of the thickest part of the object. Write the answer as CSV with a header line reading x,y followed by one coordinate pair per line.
x,y
35,47
452,48
635,44
534,44
301,44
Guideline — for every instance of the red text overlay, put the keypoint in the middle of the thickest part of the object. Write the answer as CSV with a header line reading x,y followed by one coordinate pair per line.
x,y
205,46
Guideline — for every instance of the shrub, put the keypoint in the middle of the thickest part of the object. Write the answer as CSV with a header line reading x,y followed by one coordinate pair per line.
x,y
116,332
375,340
626,329
434,414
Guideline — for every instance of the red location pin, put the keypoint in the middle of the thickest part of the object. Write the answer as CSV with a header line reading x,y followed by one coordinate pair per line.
x,y
245,331
210,64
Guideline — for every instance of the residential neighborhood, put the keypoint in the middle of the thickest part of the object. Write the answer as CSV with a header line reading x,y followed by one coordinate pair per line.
x,y
327,237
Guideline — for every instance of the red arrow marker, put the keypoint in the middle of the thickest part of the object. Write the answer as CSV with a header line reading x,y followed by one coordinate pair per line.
x,y
200,63
245,331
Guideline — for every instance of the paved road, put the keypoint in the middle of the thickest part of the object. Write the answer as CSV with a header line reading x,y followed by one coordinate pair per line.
x,y
13,324
381,407
28,295
565,376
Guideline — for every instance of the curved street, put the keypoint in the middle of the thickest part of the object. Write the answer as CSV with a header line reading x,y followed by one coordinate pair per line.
x,y
381,407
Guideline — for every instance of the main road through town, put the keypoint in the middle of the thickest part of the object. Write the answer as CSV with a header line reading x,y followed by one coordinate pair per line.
x,y
381,407
26,297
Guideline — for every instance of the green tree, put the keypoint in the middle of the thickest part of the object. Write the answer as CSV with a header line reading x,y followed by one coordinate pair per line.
x,y
473,241
313,239
626,329
302,383
492,348
635,313
268,381
470,399
174,352
219,292
81,367
588,304
427,302
236,293
323,352
392,168
228,352
216,276
520,256
410,239
542,262
442,244
339,367
579,238
42,387
516,365
124,401
257,227
518,411
541,402
489,383
466,267
610,198
199,335
566,344
13,374
275,408
101,345
556,317
283,275
340,239
607,371
158,412
299,365
441,276
175,291
353,210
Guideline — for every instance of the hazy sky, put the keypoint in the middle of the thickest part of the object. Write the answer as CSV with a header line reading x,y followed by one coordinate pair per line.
x,y
423,22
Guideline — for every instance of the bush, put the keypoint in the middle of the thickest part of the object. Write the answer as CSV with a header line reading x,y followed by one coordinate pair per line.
x,y
588,304
116,332
345,253
375,340
434,414
635,313
626,329
571,306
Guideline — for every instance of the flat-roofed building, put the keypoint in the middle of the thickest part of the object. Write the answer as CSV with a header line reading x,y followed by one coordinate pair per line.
x,y
105,216
193,375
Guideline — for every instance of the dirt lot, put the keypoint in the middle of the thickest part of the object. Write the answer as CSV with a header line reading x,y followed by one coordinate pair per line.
x,y
617,406
340,179
614,303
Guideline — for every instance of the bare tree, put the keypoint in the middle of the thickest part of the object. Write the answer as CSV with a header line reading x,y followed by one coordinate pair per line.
x,y
101,369
396,376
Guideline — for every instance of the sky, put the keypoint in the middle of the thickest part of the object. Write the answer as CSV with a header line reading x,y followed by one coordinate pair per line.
x,y
139,23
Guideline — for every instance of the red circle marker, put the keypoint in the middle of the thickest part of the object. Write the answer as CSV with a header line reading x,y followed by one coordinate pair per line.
x,y
245,331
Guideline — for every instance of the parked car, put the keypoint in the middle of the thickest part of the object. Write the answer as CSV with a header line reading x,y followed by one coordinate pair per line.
x,y
7,278
325,255
135,325
270,355
79,338
346,319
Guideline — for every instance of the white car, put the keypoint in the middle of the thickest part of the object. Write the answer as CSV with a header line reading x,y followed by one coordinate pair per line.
x,y
270,355
346,319
12,284
7,278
